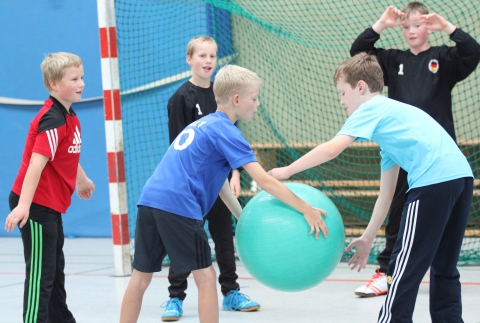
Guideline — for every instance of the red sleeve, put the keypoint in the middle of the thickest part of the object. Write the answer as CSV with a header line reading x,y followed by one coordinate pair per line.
x,y
46,142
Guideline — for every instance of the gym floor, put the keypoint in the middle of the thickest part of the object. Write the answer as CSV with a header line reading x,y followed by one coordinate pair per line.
x,y
95,295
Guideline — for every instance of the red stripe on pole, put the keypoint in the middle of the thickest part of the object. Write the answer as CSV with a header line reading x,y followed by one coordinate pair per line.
x,y
113,42
104,42
120,232
117,105
112,105
107,104
116,167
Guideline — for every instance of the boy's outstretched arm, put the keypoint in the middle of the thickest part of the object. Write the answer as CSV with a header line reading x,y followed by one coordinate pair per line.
x,y
230,200
22,211
388,181
319,155
85,186
313,216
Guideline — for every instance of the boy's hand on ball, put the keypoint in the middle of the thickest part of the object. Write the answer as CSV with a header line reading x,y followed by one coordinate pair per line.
x,y
315,221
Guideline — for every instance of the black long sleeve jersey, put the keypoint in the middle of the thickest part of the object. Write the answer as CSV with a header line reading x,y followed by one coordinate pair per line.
x,y
188,104
425,80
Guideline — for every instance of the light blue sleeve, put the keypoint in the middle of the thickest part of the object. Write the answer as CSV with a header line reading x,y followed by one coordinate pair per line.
x,y
361,124
386,162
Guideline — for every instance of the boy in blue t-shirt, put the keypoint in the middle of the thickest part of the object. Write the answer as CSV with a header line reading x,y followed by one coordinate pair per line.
x,y
184,187
437,203
193,100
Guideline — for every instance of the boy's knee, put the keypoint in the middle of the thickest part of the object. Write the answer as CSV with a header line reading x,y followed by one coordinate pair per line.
x,y
141,280
205,276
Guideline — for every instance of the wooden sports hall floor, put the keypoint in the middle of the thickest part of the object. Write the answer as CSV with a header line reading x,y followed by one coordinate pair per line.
x,y
95,295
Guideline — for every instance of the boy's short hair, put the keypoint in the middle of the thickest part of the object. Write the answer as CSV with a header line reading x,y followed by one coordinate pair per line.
x,y
54,66
232,79
415,7
363,67
192,44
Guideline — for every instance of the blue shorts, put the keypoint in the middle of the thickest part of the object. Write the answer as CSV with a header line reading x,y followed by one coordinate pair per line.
x,y
159,233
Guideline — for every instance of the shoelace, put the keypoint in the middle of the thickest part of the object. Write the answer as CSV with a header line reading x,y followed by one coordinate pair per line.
x,y
169,304
235,295
375,277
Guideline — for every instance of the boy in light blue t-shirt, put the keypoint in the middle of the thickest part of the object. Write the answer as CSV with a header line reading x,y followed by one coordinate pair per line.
x,y
437,205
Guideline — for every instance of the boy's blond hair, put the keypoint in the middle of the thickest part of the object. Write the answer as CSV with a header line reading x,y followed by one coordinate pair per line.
x,y
232,80
192,44
54,66
415,7
363,67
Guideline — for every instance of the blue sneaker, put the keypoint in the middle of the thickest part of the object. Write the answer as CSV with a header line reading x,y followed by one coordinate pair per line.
x,y
236,301
173,309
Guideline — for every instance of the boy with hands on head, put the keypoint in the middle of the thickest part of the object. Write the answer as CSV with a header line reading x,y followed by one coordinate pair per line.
x,y
437,204
186,183
423,76
49,173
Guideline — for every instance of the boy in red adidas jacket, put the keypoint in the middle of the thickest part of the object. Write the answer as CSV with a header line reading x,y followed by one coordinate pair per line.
x,y
43,188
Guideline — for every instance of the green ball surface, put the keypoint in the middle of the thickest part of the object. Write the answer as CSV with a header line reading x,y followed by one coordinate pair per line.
x,y
274,244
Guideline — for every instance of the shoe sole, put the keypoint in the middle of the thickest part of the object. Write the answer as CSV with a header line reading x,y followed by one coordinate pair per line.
x,y
369,295
250,309
170,319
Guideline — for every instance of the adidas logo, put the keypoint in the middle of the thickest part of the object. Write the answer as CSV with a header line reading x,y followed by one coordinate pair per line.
x,y
77,142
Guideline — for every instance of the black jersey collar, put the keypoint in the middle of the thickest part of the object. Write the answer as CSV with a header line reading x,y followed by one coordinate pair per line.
x,y
62,108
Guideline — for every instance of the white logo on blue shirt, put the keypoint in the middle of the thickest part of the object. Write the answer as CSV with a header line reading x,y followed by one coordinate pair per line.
x,y
191,135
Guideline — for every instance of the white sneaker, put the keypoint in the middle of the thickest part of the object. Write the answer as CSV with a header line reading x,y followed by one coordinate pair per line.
x,y
376,286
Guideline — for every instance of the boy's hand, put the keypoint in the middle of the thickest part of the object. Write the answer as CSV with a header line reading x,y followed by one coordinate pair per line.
x,y
85,188
437,22
314,219
362,251
279,173
392,17
18,214
235,183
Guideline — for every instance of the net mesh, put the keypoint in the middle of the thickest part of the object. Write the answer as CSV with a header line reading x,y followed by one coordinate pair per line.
x,y
295,48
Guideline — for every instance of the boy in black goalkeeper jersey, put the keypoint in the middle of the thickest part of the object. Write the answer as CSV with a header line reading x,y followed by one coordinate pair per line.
x,y
423,76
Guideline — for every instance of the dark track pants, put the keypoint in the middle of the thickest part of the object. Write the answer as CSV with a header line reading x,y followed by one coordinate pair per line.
x,y
394,218
431,234
44,297
220,227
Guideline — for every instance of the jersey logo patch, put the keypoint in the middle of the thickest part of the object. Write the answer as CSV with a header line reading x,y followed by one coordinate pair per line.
x,y
77,142
433,66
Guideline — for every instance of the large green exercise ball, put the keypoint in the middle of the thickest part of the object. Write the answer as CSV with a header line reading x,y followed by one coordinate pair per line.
x,y
274,244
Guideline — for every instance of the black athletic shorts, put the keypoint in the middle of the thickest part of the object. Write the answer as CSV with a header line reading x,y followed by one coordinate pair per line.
x,y
159,233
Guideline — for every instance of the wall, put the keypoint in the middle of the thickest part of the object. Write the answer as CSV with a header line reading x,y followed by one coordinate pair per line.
x,y
152,37
31,29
